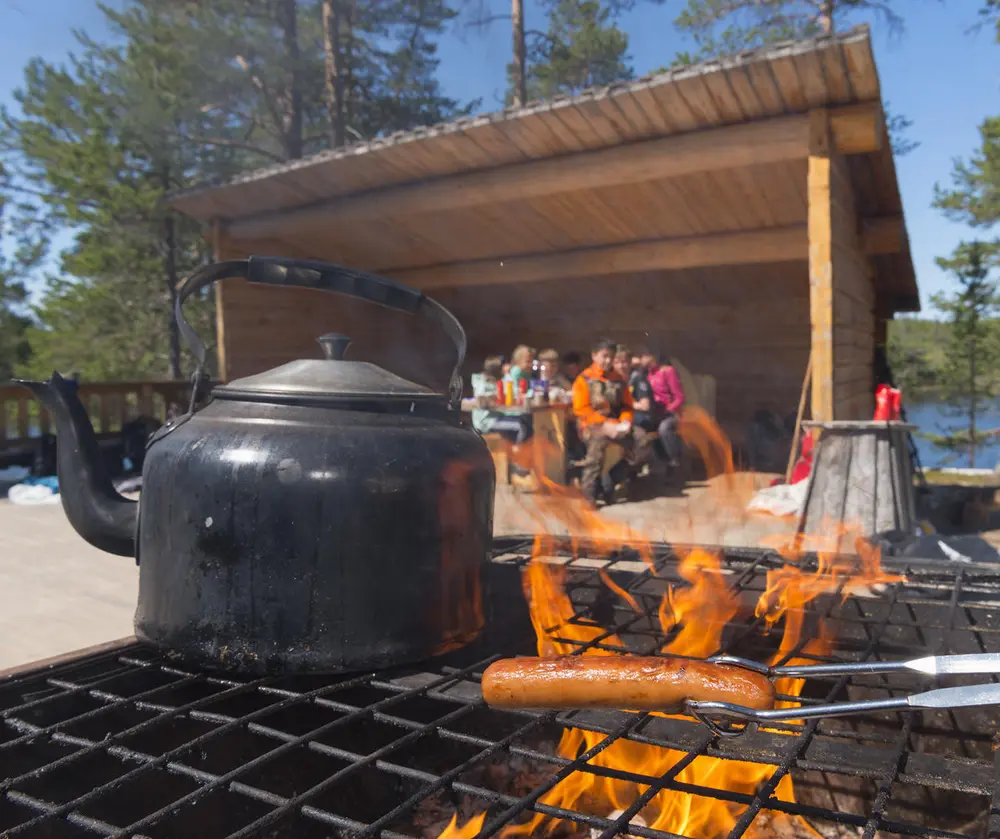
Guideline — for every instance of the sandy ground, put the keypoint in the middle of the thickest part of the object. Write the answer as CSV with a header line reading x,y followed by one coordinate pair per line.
x,y
58,594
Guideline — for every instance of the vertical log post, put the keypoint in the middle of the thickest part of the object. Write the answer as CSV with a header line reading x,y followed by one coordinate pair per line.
x,y
821,264
219,253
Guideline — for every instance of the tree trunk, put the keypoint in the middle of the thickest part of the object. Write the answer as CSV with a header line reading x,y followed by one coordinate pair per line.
x,y
292,128
972,409
347,59
334,71
825,19
520,80
170,268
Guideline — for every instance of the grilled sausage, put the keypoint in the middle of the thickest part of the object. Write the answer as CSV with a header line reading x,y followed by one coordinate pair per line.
x,y
632,683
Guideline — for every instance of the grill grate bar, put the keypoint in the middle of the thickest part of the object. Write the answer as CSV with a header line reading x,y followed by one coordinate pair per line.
x,y
166,713
892,772
364,761
442,783
882,751
500,821
624,821
284,748
163,759
766,792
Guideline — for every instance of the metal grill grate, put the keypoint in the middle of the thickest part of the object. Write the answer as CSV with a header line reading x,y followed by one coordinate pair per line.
x,y
129,743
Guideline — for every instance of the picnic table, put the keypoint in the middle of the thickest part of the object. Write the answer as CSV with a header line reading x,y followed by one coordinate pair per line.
x,y
549,425
549,422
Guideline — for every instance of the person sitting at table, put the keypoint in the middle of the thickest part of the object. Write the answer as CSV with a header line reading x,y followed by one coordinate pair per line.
x,y
485,418
522,363
556,386
622,363
645,413
602,404
668,396
572,364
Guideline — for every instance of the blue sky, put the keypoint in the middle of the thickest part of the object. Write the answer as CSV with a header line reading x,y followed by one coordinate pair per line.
x,y
945,79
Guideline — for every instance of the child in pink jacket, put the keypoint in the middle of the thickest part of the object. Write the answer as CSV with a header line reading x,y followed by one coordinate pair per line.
x,y
669,398
667,390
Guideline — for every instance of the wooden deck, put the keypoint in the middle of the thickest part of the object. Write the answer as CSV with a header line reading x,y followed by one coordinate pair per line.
x,y
58,594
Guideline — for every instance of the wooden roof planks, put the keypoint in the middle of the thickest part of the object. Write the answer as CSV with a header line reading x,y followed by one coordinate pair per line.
x,y
614,177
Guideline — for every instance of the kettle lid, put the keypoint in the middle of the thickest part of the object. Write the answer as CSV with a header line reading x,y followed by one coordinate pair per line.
x,y
331,380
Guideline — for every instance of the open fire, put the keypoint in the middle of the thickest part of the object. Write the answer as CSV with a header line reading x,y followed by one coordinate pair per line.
x,y
132,742
693,619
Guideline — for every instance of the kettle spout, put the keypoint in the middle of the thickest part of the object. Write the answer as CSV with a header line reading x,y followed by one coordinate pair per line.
x,y
97,512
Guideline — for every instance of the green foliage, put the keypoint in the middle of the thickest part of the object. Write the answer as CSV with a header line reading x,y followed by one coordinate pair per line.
x,y
185,91
582,47
728,27
107,329
916,354
975,194
990,14
973,351
100,143
23,245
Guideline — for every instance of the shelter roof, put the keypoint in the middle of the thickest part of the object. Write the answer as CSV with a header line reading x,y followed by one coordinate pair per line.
x,y
700,165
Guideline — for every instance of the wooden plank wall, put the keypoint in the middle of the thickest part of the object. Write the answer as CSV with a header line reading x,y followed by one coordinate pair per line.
x,y
842,293
853,306
748,327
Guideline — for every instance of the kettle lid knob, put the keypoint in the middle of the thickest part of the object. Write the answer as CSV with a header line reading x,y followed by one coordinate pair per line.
x,y
334,346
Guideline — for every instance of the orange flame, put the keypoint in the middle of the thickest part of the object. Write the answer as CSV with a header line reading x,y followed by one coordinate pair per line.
x,y
469,830
695,615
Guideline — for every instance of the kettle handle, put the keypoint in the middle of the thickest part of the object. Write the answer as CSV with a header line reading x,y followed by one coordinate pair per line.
x,y
305,273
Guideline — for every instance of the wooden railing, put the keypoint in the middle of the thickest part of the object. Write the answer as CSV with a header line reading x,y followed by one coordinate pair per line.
x,y
109,404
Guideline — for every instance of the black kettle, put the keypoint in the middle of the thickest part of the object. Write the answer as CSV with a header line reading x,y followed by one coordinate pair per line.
x,y
323,516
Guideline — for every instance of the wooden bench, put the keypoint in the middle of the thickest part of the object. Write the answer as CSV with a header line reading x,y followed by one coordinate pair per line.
x,y
499,448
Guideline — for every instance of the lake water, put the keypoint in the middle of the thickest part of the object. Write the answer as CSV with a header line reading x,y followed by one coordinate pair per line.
x,y
935,418
932,418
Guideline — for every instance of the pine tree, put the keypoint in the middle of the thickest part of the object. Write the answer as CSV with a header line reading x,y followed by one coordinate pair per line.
x,y
380,60
581,48
101,143
395,62
974,197
973,350
990,14
975,194
23,245
727,27
187,91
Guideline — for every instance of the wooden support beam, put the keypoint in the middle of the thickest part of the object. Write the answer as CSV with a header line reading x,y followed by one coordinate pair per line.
x,y
778,244
219,254
881,236
821,264
856,129
727,147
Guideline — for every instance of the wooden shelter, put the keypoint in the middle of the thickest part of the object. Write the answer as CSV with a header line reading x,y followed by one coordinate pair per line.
x,y
736,214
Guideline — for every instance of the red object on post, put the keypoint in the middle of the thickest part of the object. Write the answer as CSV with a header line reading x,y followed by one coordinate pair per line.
x,y
888,403
803,466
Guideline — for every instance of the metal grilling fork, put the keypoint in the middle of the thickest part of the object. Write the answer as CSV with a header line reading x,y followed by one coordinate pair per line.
x,y
967,696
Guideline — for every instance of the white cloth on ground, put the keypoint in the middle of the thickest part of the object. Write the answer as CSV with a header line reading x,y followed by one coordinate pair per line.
x,y
780,500
27,494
